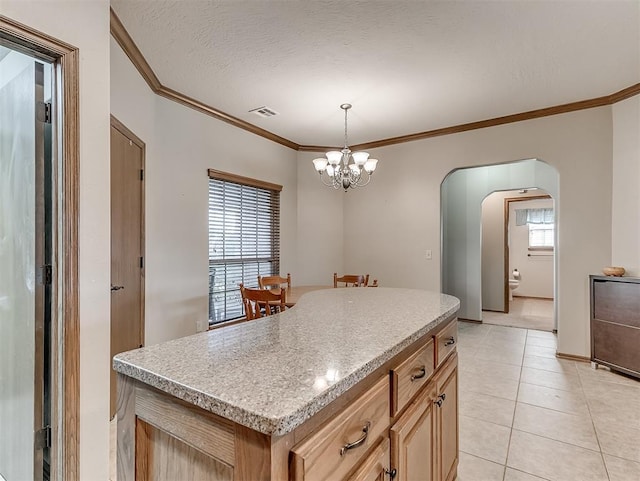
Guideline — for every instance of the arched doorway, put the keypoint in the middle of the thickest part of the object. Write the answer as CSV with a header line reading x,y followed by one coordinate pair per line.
x,y
462,192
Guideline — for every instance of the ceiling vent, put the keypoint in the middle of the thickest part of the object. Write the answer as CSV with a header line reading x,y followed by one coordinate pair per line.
x,y
264,112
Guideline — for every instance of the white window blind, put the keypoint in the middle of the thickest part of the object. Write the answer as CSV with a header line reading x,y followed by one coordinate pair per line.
x,y
540,235
244,240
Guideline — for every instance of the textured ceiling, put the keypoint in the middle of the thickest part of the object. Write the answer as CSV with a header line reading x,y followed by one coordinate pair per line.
x,y
406,66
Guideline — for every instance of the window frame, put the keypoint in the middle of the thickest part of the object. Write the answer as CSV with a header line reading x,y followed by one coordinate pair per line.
x,y
273,260
547,227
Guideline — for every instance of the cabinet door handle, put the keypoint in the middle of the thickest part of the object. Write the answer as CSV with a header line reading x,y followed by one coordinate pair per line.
x,y
420,375
391,473
116,288
440,400
358,442
450,341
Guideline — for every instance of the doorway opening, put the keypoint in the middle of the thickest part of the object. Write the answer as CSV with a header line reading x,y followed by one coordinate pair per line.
x,y
462,193
39,349
518,247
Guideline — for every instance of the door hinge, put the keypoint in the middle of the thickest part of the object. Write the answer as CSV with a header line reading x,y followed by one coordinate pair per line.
x,y
42,438
141,262
45,275
44,112
141,174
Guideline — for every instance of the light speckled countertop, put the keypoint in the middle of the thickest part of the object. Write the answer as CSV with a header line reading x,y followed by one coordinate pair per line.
x,y
274,373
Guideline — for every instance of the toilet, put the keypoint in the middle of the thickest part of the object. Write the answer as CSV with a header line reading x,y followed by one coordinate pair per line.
x,y
514,283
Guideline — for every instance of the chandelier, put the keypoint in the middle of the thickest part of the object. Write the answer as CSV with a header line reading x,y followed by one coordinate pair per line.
x,y
344,168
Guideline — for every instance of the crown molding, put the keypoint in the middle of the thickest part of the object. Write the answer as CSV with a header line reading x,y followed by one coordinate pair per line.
x,y
127,44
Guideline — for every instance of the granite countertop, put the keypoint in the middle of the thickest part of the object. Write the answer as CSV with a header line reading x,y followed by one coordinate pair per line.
x,y
274,373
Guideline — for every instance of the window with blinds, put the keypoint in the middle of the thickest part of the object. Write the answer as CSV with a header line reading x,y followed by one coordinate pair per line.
x,y
244,239
541,236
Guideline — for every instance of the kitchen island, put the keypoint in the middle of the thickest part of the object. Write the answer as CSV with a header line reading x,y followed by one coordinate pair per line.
x,y
335,388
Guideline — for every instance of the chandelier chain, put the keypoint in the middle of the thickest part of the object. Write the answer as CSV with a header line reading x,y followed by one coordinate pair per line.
x,y
345,128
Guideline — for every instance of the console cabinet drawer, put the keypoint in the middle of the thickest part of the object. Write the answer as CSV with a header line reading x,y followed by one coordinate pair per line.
x,y
338,446
410,376
446,341
616,345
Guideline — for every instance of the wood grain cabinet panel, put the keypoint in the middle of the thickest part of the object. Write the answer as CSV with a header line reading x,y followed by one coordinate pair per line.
x,y
413,439
413,374
339,445
446,341
615,323
446,414
376,466
162,457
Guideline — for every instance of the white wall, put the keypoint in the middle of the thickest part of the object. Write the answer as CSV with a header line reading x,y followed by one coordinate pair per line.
x,y
397,217
320,226
181,144
535,267
86,26
626,186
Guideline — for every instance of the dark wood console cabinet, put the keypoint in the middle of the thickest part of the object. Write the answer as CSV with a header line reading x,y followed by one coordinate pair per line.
x,y
615,323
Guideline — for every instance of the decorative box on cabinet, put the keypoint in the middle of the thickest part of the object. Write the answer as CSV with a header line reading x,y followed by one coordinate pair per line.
x,y
615,323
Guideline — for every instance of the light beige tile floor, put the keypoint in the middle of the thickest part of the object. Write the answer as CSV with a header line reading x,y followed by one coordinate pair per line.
x,y
524,312
528,416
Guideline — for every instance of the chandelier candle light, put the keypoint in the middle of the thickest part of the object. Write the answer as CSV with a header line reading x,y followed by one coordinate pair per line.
x,y
342,173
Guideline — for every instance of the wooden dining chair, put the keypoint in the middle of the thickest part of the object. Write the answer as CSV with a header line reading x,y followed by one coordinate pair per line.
x,y
260,302
350,280
269,282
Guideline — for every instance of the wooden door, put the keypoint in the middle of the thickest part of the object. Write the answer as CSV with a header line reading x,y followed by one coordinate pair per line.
x,y
127,243
412,439
447,421
376,466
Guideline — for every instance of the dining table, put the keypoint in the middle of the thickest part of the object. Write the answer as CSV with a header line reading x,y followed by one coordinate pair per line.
x,y
293,293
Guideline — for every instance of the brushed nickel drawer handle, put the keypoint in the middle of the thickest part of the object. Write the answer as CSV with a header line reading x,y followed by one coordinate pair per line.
x,y
450,341
358,442
423,373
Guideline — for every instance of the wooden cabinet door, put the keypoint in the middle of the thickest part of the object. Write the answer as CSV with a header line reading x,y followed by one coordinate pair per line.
x,y
376,466
446,414
413,439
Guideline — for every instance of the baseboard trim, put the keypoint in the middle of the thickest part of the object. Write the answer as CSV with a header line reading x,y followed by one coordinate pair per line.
x,y
572,357
474,321
534,297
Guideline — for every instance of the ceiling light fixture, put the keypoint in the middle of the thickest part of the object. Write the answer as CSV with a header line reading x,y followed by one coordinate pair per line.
x,y
341,172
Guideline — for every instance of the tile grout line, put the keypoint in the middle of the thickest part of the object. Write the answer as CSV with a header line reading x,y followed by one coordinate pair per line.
x,y
595,431
515,407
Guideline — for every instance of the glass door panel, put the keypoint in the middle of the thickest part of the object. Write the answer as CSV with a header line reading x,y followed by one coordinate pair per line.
x,y
21,254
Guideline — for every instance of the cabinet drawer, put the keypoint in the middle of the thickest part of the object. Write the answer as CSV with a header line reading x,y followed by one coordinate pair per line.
x,y
411,375
616,345
617,301
376,466
446,341
338,446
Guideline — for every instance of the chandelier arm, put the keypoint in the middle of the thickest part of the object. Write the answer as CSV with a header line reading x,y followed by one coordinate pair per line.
x,y
322,179
368,179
